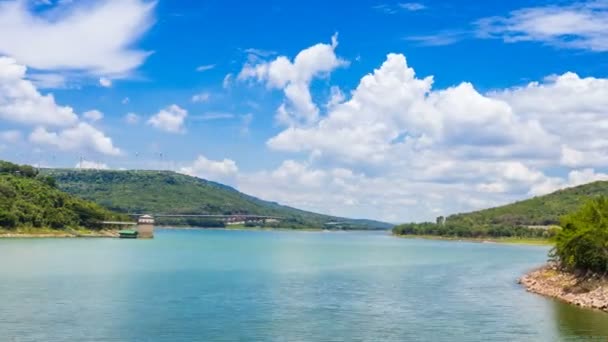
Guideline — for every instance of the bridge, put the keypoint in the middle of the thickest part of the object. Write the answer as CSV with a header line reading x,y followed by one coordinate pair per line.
x,y
145,222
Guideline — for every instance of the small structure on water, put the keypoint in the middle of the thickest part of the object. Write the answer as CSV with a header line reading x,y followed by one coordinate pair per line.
x,y
127,234
145,227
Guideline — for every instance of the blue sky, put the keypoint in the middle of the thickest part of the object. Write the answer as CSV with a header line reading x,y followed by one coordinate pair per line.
x,y
300,102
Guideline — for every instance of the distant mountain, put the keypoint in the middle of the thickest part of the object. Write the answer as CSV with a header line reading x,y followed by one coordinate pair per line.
x,y
537,211
29,200
167,192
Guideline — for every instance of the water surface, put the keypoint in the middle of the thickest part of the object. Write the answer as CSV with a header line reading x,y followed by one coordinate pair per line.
x,y
216,285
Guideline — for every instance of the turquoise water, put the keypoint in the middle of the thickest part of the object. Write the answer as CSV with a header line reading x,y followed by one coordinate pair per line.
x,y
216,285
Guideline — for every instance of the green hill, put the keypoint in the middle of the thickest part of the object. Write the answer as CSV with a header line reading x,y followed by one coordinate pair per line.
x,y
166,192
528,218
537,211
31,201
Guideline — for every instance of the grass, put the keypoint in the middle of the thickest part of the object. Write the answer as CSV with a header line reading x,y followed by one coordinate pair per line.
x,y
50,232
508,240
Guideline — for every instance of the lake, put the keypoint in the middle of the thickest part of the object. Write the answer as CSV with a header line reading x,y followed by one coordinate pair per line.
x,y
219,285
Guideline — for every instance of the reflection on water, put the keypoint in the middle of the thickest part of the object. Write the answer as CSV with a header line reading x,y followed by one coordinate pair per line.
x,y
214,285
584,323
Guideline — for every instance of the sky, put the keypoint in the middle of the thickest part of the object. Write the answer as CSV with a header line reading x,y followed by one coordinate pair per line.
x,y
398,111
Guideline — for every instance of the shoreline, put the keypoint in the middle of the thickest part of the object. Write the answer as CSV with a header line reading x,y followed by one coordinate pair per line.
x,y
52,233
505,240
589,291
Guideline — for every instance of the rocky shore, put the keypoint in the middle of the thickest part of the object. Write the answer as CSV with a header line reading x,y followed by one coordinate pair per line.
x,y
588,290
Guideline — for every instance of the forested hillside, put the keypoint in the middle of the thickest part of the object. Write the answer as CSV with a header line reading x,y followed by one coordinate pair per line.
x,y
169,192
30,200
524,218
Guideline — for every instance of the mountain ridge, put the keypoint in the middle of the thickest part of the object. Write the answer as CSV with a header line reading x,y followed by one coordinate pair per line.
x,y
130,191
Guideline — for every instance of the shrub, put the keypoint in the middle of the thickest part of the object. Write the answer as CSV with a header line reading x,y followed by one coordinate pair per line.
x,y
582,244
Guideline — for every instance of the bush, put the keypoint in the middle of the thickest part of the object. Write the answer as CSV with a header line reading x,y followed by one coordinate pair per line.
x,y
582,244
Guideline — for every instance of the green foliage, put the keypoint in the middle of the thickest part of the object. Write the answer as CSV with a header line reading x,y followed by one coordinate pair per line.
x,y
29,201
533,218
473,231
538,211
19,170
168,192
583,242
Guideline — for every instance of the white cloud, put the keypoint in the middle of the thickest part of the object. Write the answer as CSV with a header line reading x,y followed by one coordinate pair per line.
x,y
170,119
582,25
21,102
77,36
206,67
227,82
412,6
201,97
392,111
406,151
93,115
105,82
567,105
86,164
402,6
131,118
48,80
294,79
81,136
220,171
214,116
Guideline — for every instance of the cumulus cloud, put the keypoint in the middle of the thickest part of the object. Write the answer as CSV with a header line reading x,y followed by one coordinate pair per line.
x,y
294,78
21,102
407,151
392,111
87,164
567,105
93,115
81,136
170,119
581,25
96,38
215,170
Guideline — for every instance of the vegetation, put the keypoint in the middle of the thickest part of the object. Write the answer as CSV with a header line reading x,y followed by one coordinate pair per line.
x,y
583,242
534,218
457,230
31,201
168,192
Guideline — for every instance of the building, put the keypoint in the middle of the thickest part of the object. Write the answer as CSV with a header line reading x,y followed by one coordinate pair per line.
x,y
145,227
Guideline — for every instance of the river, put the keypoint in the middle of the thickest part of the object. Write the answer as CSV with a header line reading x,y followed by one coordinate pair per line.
x,y
219,285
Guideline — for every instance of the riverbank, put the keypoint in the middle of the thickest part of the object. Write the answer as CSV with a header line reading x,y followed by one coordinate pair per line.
x,y
589,291
56,233
506,240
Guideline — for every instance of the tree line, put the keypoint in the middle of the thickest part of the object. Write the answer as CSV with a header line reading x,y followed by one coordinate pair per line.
x,y
28,199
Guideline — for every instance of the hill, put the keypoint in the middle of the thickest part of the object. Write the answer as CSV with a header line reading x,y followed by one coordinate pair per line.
x,y
31,201
537,211
137,191
528,218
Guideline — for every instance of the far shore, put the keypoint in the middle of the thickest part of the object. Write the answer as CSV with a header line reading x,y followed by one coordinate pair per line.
x,y
110,233
585,290
504,240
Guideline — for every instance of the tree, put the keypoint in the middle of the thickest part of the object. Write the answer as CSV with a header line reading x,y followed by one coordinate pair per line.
x,y
582,244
